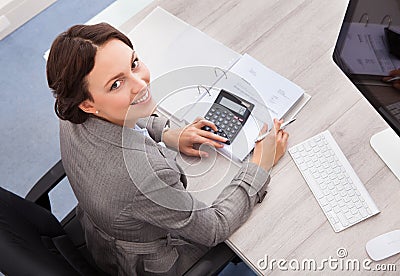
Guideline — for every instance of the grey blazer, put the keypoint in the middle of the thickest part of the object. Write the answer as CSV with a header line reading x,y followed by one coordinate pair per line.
x,y
132,203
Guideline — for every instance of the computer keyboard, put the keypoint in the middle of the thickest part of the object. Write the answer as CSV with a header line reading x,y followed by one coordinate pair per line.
x,y
332,180
394,109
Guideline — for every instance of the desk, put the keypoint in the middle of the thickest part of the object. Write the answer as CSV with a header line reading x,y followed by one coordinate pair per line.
x,y
296,39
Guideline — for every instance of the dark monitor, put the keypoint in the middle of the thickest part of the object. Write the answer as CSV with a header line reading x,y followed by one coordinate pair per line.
x,y
367,50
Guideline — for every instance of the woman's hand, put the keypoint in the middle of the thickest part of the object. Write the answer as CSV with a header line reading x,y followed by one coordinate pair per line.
x,y
183,139
270,150
392,74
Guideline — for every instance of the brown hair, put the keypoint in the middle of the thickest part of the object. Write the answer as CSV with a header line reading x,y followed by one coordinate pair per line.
x,y
70,60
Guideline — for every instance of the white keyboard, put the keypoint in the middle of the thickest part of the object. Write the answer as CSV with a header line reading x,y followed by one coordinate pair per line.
x,y
335,185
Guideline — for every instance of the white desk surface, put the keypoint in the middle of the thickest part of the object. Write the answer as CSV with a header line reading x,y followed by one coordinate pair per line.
x,y
296,38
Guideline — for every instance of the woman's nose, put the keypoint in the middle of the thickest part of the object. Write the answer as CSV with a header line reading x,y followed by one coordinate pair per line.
x,y
137,83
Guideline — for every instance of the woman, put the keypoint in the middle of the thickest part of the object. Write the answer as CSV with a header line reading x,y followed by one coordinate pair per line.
x,y
133,206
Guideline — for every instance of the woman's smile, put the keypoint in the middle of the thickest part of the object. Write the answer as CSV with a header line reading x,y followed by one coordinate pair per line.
x,y
144,97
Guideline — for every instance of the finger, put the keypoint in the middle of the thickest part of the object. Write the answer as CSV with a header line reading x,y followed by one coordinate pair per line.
x,y
277,124
395,72
397,85
197,120
279,135
390,77
215,137
213,143
285,137
194,152
209,134
283,142
264,129
204,122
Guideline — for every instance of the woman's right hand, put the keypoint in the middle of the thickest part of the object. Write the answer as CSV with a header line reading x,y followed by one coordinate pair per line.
x,y
270,150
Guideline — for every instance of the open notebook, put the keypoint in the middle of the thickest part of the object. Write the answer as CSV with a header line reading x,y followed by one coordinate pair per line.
x,y
169,45
276,96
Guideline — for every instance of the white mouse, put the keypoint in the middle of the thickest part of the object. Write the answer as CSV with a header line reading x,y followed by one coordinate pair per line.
x,y
384,246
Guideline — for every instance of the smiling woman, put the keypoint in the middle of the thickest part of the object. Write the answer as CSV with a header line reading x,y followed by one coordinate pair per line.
x,y
102,95
117,81
69,84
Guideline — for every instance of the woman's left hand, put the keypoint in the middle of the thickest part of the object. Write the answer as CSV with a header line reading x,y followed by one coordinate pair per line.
x,y
394,73
183,139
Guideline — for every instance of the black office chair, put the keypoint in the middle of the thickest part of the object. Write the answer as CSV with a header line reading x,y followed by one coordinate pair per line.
x,y
34,242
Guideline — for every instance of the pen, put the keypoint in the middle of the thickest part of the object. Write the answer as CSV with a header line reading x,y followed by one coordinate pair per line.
x,y
283,126
393,79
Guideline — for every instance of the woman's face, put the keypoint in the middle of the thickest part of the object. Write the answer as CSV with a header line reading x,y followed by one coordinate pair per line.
x,y
117,80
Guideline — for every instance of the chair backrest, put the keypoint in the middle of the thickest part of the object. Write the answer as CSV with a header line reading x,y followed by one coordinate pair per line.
x,y
33,242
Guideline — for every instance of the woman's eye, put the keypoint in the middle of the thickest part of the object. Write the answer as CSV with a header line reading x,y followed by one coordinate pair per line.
x,y
135,63
116,85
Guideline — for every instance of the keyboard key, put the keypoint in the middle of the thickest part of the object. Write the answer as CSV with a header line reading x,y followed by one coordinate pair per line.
x,y
354,211
343,219
363,212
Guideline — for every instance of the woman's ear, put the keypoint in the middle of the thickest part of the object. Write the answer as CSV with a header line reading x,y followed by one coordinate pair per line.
x,y
87,106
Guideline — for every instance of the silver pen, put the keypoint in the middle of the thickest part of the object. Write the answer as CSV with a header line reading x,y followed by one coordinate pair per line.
x,y
393,79
283,126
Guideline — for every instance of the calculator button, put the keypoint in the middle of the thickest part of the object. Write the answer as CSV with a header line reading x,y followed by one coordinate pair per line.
x,y
218,112
213,109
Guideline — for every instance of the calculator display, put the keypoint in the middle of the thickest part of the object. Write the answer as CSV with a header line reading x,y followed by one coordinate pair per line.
x,y
233,106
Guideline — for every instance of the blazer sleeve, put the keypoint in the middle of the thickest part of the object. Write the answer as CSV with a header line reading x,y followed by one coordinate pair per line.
x,y
171,207
154,125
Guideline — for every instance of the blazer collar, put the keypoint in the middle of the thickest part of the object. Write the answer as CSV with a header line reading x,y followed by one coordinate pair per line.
x,y
124,137
117,135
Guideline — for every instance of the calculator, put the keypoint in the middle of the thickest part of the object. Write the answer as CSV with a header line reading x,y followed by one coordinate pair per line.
x,y
229,113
